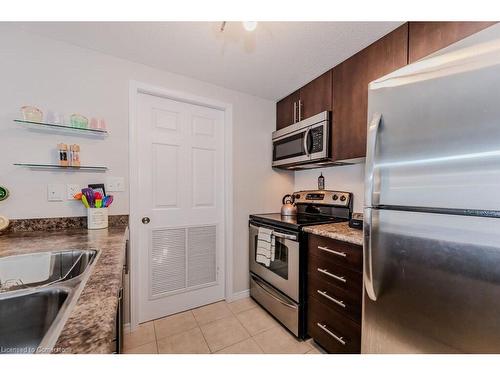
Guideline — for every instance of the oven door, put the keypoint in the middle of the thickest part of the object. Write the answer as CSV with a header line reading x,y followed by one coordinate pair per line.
x,y
283,272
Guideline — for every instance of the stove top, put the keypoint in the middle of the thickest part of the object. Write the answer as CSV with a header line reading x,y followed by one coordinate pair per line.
x,y
294,222
313,207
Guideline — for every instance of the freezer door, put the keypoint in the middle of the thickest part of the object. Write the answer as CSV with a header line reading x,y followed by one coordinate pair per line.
x,y
438,141
436,284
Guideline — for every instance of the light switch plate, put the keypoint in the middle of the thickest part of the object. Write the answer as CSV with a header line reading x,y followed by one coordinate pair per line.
x,y
115,184
71,190
55,192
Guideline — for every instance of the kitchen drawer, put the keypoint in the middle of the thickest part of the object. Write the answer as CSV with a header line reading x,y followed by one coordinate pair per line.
x,y
332,330
347,302
324,269
343,253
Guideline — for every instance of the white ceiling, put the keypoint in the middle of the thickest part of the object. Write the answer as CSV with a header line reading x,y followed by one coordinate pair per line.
x,y
270,62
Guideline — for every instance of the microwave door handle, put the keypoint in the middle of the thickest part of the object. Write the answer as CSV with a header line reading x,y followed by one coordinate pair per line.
x,y
306,141
371,145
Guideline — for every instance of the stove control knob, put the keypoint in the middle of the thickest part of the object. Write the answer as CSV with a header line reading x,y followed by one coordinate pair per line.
x,y
335,197
297,196
343,198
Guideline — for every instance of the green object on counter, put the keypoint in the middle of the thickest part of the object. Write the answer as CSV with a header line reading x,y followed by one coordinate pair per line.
x,y
4,193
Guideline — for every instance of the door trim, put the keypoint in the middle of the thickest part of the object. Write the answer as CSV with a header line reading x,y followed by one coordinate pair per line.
x,y
136,88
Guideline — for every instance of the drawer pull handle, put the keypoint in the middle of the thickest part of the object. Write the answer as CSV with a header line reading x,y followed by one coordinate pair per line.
x,y
339,278
325,294
338,253
339,339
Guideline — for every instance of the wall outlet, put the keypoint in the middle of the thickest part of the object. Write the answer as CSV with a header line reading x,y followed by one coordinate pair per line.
x,y
71,190
55,192
115,184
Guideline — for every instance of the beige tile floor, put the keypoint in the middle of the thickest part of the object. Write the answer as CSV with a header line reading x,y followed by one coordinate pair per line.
x,y
240,327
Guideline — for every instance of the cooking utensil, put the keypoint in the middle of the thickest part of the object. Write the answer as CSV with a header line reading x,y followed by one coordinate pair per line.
x,y
89,194
109,200
288,208
84,201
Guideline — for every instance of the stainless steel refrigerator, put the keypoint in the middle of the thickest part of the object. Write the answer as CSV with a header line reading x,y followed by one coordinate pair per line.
x,y
432,204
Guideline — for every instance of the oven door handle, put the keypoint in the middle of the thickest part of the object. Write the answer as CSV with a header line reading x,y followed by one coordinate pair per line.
x,y
292,237
271,294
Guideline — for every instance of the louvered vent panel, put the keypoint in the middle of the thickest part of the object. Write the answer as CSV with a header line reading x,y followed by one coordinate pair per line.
x,y
168,260
201,255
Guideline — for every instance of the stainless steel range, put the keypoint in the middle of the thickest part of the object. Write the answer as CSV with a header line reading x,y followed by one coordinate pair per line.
x,y
280,286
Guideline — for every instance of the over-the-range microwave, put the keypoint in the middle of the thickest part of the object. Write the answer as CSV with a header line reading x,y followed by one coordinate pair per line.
x,y
305,144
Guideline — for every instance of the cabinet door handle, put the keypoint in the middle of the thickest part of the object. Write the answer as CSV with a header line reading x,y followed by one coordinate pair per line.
x,y
325,272
294,112
338,253
325,294
300,110
338,338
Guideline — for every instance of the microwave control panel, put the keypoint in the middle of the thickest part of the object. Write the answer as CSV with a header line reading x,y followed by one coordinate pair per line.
x,y
317,139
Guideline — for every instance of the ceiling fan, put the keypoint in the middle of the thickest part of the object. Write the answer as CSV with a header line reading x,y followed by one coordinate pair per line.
x,y
247,25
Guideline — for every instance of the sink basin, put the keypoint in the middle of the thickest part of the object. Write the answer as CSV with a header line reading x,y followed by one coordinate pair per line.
x,y
27,317
38,269
37,291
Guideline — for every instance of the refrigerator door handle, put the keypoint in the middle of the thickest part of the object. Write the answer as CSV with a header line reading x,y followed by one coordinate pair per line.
x,y
367,255
371,144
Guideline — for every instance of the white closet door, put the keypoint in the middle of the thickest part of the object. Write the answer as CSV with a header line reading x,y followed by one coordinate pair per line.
x,y
181,192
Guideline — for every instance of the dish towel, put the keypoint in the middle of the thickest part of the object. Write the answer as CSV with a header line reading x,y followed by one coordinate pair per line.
x,y
265,246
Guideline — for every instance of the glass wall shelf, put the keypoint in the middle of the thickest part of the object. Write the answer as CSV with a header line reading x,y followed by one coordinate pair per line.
x,y
62,168
61,128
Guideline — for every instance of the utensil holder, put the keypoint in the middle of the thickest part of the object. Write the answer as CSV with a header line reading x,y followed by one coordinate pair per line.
x,y
97,218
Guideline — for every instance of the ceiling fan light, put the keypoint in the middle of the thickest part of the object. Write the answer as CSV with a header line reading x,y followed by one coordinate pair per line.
x,y
250,25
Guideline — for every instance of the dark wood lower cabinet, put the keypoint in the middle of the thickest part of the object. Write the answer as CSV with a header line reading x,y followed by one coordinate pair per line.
x,y
332,330
334,294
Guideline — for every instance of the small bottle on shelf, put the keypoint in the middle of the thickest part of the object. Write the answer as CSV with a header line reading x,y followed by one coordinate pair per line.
x,y
75,155
63,154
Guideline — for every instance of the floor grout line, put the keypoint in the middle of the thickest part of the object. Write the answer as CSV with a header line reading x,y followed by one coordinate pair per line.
x,y
156,338
202,334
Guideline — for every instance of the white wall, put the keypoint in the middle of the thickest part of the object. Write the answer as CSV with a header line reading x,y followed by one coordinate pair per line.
x,y
344,178
58,76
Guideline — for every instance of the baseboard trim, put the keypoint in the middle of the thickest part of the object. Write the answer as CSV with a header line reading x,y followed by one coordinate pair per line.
x,y
239,295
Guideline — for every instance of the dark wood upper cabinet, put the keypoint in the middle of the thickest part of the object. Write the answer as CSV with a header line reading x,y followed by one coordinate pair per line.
x,y
350,85
286,110
316,96
313,98
428,37
344,89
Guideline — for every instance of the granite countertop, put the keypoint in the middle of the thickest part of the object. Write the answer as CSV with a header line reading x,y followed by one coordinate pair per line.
x,y
337,231
90,327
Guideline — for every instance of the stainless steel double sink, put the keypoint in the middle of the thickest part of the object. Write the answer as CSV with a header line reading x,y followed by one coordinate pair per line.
x,y
37,292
